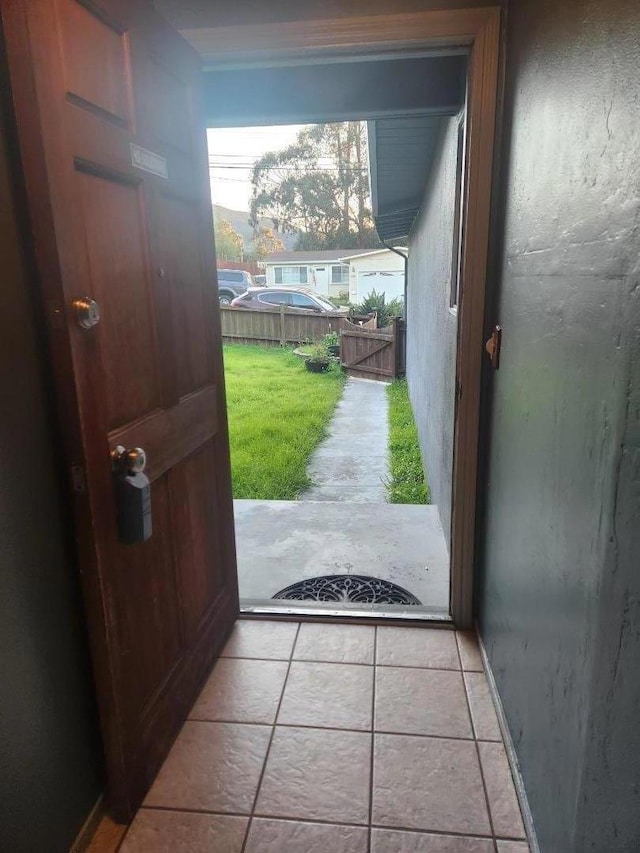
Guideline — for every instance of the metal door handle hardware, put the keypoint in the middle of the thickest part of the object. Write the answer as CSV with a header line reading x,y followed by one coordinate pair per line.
x,y
130,461
132,491
493,345
87,312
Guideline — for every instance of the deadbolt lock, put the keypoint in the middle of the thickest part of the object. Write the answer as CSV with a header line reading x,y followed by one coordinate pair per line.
x,y
133,495
87,312
130,461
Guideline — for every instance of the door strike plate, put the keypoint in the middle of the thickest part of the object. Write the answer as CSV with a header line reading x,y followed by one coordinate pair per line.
x,y
493,345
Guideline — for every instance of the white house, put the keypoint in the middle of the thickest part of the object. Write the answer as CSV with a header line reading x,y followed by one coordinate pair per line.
x,y
375,269
335,272
326,271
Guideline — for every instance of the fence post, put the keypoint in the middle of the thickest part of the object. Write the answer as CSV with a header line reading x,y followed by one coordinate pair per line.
x,y
283,330
394,332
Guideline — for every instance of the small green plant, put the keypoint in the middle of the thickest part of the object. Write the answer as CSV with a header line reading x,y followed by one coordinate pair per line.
x,y
318,354
341,300
331,339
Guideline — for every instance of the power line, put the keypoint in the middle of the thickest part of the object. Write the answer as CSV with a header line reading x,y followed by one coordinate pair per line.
x,y
287,168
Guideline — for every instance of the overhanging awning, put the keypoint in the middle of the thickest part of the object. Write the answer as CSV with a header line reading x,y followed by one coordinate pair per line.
x,y
401,151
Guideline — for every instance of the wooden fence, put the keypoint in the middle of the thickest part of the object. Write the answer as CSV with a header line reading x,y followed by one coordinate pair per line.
x,y
280,327
374,353
247,266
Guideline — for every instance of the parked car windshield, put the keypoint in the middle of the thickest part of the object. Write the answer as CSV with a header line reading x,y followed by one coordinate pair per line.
x,y
328,305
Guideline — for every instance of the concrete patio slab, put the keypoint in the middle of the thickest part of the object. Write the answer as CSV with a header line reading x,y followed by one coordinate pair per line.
x,y
281,542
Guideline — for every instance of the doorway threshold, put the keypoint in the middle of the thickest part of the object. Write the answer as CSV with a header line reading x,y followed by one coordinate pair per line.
x,y
308,611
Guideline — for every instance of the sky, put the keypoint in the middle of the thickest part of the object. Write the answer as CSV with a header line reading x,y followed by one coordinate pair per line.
x,y
232,153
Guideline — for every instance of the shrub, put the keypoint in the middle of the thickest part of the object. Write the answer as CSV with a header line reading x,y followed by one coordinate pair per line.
x,y
376,303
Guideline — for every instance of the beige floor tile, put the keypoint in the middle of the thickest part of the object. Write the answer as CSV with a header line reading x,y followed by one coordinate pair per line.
x,y
287,836
159,831
503,802
422,647
332,695
428,783
335,643
258,639
483,713
421,702
317,774
212,767
393,841
469,651
241,690
512,847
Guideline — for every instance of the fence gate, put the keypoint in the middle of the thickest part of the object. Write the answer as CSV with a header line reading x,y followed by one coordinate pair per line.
x,y
374,353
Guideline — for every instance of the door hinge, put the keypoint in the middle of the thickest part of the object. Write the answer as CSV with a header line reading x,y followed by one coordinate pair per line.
x,y
78,479
493,346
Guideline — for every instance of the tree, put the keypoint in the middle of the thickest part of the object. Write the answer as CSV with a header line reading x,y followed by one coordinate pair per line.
x,y
265,243
229,244
318,188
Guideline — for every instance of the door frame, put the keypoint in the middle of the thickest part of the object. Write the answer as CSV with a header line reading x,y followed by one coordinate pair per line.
x,y
478,32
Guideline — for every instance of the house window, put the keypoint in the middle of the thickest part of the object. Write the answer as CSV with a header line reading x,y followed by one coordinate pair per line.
x,y
290,275
340,274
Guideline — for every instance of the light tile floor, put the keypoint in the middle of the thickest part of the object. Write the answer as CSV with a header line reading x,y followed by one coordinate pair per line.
x,y
312,738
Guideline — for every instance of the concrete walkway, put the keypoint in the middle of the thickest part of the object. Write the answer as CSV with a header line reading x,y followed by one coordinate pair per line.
x,y
352,462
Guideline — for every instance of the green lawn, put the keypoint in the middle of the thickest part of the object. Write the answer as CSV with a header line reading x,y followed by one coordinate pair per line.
x,y
278,413
408,485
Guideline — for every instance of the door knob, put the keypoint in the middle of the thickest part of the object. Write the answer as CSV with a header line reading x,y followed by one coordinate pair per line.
x,y
130,461
87,312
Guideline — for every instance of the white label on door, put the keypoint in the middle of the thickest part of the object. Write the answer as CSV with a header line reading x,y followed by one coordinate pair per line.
x,y
146,160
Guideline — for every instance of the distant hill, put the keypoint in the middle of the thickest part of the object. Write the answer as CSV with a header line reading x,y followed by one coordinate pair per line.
x,y
239,220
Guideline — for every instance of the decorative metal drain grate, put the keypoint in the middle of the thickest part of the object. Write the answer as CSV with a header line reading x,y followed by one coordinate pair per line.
x,y
359,589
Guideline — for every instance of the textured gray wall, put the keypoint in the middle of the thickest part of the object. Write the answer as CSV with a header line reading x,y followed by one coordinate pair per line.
x,y
49,751
431,326
559,599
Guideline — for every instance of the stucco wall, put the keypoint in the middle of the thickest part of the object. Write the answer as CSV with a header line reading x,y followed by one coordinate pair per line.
x,y
49,750
431,325
559,601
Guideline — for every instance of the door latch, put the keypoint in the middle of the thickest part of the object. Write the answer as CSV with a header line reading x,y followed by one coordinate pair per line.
x,y
493,346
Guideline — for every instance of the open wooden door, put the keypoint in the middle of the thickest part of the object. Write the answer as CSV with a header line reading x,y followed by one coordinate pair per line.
x,y
114,155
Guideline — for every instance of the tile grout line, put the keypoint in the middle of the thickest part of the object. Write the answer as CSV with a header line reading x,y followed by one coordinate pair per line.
x,y
326,822
373,729
477,749
344,729
273,731
356,663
